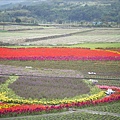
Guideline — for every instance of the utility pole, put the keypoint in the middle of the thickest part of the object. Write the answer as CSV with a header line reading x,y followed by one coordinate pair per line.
x,y
3,26
3,21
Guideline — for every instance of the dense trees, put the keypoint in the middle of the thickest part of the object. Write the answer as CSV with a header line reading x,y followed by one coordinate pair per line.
x,y
64,11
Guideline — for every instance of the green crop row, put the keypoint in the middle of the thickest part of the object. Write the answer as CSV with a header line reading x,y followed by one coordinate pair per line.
x,y
113,107
71,116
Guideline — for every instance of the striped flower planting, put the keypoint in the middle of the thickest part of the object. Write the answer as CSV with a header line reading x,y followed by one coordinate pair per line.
x,y
56,54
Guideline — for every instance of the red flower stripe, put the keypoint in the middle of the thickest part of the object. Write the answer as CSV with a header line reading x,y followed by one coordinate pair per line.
x,y
56,54
39,108
108,87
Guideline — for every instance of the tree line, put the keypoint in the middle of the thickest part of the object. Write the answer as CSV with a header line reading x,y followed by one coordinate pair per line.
x,y
60,12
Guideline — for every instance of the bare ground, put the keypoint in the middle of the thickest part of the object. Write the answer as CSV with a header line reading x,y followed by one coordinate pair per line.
x,y
28,71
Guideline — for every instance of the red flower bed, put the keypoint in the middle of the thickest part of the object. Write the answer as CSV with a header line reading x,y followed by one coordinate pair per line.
x,y
107,87
55,54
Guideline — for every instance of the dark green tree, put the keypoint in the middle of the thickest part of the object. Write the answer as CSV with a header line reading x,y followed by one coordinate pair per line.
x,y
18,20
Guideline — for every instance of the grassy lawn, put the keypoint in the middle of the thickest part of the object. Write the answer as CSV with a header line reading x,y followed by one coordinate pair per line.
x,y
82,45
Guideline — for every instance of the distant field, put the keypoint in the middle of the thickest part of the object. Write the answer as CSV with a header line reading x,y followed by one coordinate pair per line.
x,y
18,34
97,35
17,27
52,36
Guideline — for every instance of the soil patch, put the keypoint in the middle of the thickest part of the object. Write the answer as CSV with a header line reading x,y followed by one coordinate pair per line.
x,y
3,79
49,87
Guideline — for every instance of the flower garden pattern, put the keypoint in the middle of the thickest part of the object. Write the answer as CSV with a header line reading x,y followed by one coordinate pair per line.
x,y
12,106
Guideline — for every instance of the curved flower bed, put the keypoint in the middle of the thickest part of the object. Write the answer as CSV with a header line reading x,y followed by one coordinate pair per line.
x,y
56,54
7,95
4,98
36,108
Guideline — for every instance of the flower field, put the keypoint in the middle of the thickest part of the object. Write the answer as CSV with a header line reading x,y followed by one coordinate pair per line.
x,y
57,54
24,95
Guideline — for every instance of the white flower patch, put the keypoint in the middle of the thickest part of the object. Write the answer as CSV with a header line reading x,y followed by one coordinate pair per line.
x,y
91,73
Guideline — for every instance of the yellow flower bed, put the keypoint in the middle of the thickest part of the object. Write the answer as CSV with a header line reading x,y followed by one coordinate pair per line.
x,y
8,105
4,98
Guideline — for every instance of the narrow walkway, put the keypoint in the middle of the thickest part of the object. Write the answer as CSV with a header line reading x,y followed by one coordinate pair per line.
x,y
63,113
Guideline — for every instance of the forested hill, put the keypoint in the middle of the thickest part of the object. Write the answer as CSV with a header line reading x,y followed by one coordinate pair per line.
x,y
59,11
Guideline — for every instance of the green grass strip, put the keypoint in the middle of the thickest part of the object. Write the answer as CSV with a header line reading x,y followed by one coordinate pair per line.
x,y
80,45
5,89
96,45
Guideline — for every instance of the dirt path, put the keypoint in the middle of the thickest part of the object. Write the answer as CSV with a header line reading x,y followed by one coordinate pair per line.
x,y
30,71
64,113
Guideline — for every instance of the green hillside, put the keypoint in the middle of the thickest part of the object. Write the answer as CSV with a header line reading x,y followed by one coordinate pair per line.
x,y
63,11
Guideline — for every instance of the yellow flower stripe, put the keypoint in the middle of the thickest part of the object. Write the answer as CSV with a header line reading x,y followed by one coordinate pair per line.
x,y
113,51
4,98
8,105
106,50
